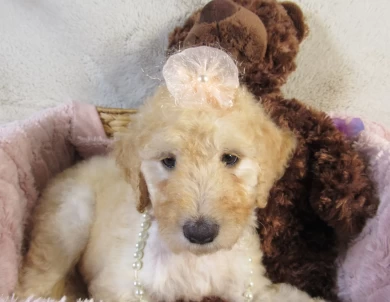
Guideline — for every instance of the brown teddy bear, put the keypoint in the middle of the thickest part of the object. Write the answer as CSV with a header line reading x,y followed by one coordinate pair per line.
x,y
325,196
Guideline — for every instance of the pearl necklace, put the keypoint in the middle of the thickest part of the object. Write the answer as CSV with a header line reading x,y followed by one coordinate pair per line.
x,y
139,290
138,255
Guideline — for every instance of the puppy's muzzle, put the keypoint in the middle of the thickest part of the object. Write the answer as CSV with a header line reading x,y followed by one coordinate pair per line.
x,y
201,230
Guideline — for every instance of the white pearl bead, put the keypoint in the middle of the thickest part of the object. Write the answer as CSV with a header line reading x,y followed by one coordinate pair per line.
x,y
138,255
142,235
137,283
250,260
145,225
137,265
203,78
140,245
139,292
251,272
250,284
248,295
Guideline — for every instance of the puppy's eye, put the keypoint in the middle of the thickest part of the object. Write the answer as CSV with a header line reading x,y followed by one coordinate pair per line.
x,y
229,159
169,162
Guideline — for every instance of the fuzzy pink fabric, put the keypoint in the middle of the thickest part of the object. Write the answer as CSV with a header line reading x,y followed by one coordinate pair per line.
x,y
364,271
31,152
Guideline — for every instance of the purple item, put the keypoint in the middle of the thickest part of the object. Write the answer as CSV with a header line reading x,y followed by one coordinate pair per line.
x,y
350,127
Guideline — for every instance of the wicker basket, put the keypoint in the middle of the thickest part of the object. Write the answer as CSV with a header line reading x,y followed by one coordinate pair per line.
x,y
114,119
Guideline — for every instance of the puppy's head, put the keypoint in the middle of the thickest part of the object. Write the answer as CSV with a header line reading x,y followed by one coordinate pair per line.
x,y
203,169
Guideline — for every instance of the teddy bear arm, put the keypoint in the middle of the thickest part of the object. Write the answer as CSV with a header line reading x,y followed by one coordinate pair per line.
x,y
341,192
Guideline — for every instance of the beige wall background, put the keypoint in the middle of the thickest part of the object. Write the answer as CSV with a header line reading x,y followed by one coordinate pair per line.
x,y
110,53
344,65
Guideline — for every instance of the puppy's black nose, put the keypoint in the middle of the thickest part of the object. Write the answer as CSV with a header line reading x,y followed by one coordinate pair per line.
x,y
200,231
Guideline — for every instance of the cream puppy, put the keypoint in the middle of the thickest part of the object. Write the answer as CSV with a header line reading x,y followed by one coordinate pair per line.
x,y
196,162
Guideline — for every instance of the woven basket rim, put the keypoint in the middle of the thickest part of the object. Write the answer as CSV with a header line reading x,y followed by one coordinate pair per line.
x,y
113,110
115,120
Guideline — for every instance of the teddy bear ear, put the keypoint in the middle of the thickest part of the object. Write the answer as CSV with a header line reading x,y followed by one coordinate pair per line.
x,y
296,15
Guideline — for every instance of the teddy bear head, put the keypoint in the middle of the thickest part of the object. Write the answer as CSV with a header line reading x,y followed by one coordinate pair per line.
x,y
263,36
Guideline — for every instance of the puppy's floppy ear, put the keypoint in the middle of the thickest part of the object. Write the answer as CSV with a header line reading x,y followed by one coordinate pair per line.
x,y
281,144
127,158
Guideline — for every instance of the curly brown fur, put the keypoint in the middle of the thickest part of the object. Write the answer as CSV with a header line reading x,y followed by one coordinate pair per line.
x,y
324,199
325,196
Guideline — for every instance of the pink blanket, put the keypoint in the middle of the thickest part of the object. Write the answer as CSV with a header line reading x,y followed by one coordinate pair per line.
x,y
364,272
33,151
30,153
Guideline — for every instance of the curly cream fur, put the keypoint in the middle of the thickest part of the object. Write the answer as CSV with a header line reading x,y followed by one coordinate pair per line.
x,y
87,216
